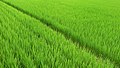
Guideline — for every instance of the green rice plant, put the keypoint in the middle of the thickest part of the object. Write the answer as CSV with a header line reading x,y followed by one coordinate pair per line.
x,y
25,42
92,23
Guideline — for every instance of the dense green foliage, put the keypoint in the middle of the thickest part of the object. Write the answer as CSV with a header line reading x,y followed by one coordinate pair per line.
x,y
59,34
94,23
27,43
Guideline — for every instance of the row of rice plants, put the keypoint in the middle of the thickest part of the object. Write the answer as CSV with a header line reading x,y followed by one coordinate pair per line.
x,y
27,43
97,27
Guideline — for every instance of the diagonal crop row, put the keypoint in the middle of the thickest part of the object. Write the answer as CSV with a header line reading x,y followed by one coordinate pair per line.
x,y
60,28
74,35
26,42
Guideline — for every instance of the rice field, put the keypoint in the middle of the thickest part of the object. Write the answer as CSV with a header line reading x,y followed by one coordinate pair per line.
x,y
59,34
